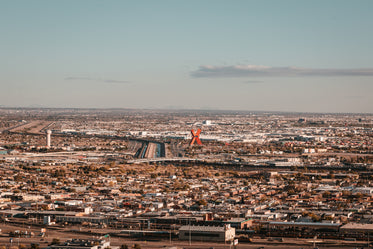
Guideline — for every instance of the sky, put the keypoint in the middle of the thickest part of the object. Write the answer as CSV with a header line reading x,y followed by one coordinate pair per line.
x,y
288,55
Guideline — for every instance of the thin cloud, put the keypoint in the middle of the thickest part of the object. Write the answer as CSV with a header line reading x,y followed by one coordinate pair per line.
x,y
253,81
355,96
116,81
97,80
264,71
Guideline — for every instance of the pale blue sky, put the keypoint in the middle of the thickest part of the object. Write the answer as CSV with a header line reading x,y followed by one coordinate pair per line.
x,y
311,56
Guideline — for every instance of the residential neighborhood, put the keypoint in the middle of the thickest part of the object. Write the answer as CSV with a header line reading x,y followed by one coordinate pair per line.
x,y
293,184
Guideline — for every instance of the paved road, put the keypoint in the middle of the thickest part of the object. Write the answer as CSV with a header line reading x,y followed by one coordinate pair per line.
x,y
117,241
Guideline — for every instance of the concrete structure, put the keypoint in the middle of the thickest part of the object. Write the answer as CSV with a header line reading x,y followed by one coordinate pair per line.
x,y
81,219
47,220
207,233
206,122
277,225
239,223
363,190
49,132
357,228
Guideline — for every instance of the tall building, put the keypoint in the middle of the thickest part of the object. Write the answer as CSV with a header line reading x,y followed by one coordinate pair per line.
x,y
49,132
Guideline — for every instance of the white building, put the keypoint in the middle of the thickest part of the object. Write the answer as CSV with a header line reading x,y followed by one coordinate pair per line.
x,y
363,190
83,244
207,233
206,122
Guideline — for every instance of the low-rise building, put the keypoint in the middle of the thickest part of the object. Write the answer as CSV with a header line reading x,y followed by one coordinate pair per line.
x,y
207,233
82,244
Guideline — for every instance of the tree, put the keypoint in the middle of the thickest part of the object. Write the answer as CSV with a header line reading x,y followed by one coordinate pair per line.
x,y
55,241
314,217
202,202
136,246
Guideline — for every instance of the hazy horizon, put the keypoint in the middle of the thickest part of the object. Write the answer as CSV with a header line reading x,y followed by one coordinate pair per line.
x,y
182,110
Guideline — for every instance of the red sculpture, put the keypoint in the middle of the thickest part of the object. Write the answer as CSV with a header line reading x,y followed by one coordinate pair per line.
x,y
195,137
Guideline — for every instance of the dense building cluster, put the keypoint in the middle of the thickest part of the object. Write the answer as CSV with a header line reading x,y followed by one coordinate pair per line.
x,y
256,174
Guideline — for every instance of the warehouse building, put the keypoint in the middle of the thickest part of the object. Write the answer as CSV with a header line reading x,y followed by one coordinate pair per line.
x,y
207,233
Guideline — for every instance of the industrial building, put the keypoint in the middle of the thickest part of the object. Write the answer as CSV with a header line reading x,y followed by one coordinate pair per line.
x,y
207,233
82,244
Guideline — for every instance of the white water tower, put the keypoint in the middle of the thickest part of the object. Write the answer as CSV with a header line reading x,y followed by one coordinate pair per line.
x,y
49,132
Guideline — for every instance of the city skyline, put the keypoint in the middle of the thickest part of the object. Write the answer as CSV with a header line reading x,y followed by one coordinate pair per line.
x,y
295,56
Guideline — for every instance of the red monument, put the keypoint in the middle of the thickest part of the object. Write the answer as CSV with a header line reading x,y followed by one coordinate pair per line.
x,y
195,137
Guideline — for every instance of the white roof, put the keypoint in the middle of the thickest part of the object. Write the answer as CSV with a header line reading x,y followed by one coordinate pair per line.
x,y
204,228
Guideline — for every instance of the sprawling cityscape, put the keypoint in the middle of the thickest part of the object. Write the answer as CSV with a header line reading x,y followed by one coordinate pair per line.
x,y
191,124
121,178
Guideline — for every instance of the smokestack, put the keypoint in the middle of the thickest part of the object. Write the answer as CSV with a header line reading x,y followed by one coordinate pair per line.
x,y
49,132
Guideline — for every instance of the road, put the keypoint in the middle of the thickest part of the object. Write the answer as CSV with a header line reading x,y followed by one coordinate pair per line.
x,y
66,233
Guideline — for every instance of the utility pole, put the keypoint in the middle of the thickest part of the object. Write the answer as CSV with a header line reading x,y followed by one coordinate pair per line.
x,y
190,234
314,241
368,240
